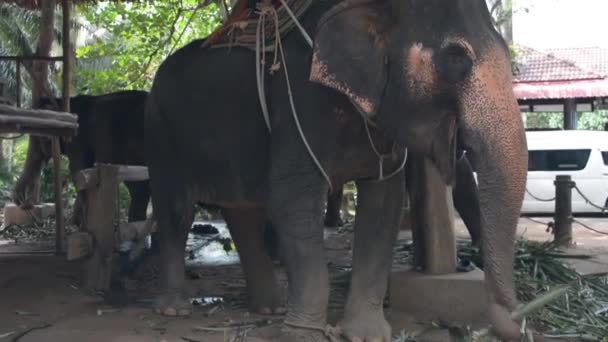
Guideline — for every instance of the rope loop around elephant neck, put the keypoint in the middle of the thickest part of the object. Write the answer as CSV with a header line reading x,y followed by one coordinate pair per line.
x,y
382,157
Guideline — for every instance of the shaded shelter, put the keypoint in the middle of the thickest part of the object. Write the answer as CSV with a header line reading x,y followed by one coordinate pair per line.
x,y
568,80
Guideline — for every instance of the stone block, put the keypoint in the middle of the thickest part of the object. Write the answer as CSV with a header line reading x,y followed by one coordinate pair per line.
x,y
13,214
44,210
457,298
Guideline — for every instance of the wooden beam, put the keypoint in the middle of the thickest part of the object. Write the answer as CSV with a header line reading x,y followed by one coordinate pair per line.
x,y
41,114
132,173
35,122
47,132
87,178
136,230
32,58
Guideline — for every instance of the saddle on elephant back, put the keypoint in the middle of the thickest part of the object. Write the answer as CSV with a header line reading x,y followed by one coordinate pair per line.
x,y
247,16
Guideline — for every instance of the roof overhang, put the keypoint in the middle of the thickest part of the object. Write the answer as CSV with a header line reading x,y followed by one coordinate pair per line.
x,y
597,88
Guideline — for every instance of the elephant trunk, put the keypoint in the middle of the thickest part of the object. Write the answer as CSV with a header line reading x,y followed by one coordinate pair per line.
x,y
494,130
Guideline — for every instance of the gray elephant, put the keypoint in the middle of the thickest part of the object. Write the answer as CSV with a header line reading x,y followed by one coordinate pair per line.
x,y
381,75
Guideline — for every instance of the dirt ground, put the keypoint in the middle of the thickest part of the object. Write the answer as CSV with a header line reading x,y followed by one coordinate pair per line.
x,y
40,297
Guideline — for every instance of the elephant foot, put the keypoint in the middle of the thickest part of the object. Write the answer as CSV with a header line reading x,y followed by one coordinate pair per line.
x,y
366,327
267,301
173,305
302,332
502,325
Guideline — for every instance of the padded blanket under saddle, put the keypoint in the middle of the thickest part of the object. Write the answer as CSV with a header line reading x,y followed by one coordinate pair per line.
x,y
243,33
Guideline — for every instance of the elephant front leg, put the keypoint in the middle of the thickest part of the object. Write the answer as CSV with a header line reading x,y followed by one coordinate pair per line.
x,y
296,209
379,209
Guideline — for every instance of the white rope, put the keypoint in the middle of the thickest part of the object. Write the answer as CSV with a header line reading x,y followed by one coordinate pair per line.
x,y
297,121
297,22
260,61
381,157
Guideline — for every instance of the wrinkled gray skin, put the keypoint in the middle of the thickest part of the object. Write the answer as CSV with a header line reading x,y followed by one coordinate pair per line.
x,y
416,69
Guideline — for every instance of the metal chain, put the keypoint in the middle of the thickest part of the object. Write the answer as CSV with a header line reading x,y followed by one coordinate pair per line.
x,y
550,223
588,227
538,198
602,208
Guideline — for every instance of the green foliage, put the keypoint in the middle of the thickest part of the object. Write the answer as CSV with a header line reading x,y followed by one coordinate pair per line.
x,y
47,192
135,39
20,153
19,31
593,121
587,120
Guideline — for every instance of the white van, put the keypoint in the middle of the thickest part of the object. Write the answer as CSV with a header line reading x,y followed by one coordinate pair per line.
x,y
581,154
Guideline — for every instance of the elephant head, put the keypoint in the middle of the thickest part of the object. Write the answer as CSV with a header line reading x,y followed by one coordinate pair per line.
x,y
421,69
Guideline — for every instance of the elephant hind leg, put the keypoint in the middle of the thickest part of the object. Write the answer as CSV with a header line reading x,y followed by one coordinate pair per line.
x,y
247,229
174,213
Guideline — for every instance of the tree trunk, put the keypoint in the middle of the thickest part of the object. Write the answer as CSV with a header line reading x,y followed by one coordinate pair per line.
x,y
45,40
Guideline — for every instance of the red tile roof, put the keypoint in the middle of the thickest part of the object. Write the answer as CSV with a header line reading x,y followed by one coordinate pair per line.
x,y
561,73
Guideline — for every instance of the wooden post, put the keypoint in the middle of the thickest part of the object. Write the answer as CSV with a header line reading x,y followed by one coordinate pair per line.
x,y
18,76
56,149
563,210
431,217
59,219
99,222
570,114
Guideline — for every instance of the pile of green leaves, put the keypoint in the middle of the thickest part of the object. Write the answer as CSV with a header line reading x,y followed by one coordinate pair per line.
x,y
539,268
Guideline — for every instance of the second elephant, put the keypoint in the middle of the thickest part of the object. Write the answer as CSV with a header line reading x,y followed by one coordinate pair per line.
x,y
110,131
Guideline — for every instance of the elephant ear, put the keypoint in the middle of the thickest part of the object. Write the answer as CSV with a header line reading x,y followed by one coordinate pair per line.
x,y
349,53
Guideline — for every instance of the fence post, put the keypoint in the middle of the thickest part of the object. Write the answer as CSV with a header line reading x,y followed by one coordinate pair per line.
x,y
100,214
563,210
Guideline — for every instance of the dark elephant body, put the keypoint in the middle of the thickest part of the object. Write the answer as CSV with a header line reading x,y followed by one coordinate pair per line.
x,y
110,131
382,75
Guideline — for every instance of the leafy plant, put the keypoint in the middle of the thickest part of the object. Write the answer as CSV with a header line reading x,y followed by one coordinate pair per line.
x,y
135,38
